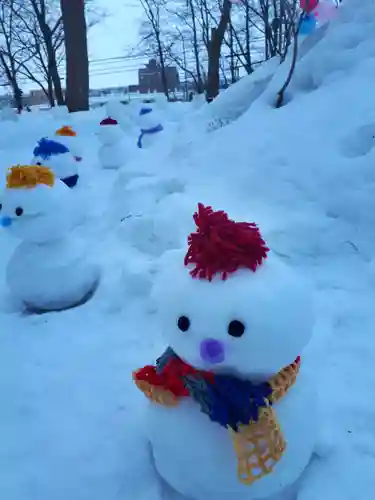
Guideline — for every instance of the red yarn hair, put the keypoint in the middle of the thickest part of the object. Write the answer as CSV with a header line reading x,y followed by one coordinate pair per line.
x,y
221,245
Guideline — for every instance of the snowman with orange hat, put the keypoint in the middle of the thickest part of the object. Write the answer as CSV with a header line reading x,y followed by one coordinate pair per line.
x,y
112,149
67,136
231,411
50,269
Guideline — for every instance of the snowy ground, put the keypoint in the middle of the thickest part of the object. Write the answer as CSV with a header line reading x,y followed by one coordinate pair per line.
x,y
305,173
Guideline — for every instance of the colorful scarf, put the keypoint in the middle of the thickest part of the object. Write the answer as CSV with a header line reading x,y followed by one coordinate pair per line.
x,y
144,131
244,408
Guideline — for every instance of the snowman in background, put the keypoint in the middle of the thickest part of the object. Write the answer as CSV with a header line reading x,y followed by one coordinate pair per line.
x,y
236,320
58,157
67,136
60,113
112,150
120,112
9,114
49,270
151,127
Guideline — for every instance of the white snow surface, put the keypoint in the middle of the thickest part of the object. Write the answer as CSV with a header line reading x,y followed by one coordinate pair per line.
x,y
71,424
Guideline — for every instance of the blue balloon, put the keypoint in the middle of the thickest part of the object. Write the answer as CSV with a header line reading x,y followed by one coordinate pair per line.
x,y
308,25
6,221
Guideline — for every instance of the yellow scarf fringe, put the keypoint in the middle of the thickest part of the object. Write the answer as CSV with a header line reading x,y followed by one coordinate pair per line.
x,y
259,445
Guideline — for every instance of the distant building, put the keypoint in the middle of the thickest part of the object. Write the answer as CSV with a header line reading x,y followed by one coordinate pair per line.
x,y
150,78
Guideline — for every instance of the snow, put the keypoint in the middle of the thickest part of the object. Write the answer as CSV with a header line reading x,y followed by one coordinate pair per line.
x,y
71,420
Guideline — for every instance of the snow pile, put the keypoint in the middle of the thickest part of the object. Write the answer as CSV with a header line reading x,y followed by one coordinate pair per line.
x,y
70,424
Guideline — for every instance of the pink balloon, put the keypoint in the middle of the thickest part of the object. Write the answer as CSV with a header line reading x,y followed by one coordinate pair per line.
x,y
325,11
308,5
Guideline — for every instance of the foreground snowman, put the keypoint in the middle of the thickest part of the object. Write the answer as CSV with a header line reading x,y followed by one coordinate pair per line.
x,y
232,416
58,157
49,270
150,128
112,150
67,136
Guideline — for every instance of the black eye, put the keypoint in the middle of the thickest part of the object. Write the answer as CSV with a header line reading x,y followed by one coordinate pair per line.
x,y
38,163
236,328
1,206
19,211
183,323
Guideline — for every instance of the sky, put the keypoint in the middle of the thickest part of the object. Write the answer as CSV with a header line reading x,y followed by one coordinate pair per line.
x,y
112,38
109,42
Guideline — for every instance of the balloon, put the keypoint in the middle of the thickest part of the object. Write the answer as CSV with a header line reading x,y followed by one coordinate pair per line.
x,y
308,25
325,11
308,5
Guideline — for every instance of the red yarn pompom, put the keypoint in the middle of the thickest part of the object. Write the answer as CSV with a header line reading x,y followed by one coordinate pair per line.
x,y
109,121
221,245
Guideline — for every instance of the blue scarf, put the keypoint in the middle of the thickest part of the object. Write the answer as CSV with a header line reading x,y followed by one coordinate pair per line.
x,y
145,131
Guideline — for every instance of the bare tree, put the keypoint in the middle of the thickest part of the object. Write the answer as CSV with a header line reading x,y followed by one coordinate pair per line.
x,y
77,62
41,35
153,10
11,55
214,52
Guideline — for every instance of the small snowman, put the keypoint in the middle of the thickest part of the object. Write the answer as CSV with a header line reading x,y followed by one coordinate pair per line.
x,y
150,128
50,269
67,136
60,112
119,112
58,157
112,149
231,413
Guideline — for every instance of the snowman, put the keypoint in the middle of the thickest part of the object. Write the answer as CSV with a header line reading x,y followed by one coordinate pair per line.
x,y
50,269
67,136
112,149
231,414
150,127
119,111
58,157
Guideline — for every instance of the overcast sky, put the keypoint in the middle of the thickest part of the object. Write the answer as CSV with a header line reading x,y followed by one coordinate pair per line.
x,y
110,39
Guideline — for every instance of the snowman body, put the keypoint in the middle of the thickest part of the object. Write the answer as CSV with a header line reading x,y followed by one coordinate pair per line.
x,y
52,276
151,128
68,138
192,453
57,156
196,456
50,269
112,149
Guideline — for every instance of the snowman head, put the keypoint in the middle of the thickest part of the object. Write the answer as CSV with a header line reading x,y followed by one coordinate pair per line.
x,y
57,156
229,305
148,118
109,132
35,207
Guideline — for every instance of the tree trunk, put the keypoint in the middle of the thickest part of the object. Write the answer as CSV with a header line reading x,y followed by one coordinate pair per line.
x,y
200,86
55,77
12,81
214,52
77,61
164,81
50,94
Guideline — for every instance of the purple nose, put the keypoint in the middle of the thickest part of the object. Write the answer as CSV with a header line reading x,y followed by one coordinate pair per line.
x,y
212,351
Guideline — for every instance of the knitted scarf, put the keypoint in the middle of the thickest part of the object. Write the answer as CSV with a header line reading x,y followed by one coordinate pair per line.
x,y
150,131
244,408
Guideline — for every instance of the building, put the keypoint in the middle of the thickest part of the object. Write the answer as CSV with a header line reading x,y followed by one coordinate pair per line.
x,y
150,78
